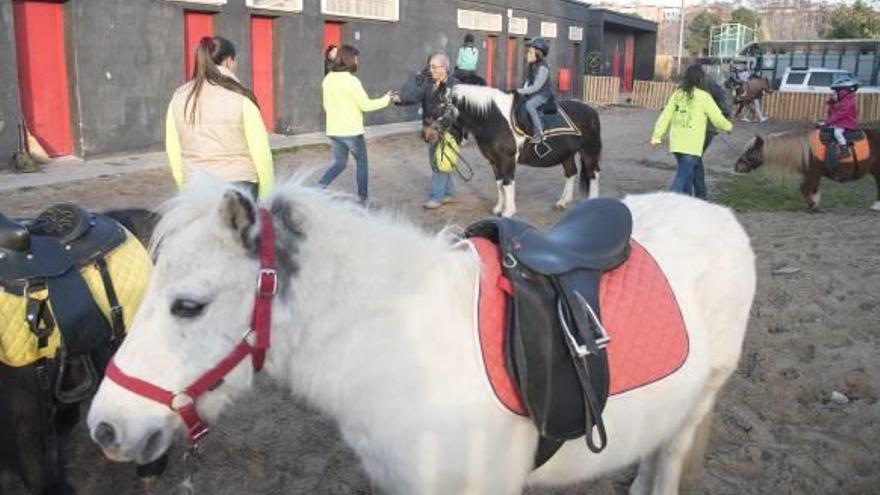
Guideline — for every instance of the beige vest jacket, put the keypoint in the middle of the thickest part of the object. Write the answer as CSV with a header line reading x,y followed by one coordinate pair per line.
x,y
215,141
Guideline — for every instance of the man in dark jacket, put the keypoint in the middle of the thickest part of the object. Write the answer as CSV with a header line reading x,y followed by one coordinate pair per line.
x,y
720,98
430,94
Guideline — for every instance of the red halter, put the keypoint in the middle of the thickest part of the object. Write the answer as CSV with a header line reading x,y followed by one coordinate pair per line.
x,y
184,402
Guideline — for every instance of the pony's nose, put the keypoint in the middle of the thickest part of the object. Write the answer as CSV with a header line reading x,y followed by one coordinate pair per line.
x,y
104,435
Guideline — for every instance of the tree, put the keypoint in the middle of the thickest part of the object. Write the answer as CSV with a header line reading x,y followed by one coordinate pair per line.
x,y
746,17
698,29
856,21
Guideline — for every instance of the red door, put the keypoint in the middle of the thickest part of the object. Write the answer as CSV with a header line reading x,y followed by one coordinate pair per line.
x,y
42,73
332,34
196,25
511,63
262,62
615,64
628,62
490,60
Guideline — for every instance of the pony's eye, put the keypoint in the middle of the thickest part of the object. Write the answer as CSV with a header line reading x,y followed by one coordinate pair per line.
x,y
187,308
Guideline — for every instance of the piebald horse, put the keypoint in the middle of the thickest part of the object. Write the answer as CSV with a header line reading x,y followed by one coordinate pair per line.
x,y
384,341
486,113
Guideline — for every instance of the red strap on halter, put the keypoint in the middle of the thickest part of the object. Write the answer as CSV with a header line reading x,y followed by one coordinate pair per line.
x,y
267,286
261,324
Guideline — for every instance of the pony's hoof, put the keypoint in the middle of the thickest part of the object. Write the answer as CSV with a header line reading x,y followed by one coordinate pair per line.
x,y
561,206
497,211
876,206
508,214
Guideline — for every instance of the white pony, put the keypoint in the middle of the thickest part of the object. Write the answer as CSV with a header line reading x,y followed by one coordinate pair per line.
x,y
374,326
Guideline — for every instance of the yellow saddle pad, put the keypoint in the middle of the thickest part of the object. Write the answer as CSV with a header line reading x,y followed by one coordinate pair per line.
x,y
129,266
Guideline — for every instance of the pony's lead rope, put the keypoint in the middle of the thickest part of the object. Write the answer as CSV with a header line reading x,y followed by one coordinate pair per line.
x,y
470,168
190,466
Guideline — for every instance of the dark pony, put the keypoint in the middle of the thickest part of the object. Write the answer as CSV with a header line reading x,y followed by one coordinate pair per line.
x,y
33,423
486,113
789,152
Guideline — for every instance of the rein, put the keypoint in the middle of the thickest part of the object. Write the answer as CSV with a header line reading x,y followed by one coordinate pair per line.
x,y
183,402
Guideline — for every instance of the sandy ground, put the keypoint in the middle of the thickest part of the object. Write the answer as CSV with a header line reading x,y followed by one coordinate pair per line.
x,y
814,330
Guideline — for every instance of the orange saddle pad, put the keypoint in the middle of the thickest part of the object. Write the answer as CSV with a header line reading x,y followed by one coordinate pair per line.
x,y
861,149
649,340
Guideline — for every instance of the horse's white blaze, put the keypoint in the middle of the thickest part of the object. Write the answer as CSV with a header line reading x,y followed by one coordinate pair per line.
x,y
594,187
509,200
567,193
876,206
383,342
499,206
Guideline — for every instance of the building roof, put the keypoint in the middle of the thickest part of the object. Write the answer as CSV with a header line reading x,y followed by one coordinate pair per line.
x,y
791,45
627,21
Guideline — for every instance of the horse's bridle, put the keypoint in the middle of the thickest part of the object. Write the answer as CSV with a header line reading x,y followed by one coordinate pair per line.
x,y
184,402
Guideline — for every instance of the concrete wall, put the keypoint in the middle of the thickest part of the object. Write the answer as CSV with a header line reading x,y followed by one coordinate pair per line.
x,y
9,105
126,58
123,72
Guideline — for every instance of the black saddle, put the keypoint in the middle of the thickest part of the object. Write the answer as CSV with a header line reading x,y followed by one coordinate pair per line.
x,y
555,346
47,254
549,112
826,135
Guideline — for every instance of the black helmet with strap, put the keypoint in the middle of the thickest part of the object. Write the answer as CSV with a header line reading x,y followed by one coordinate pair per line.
x,y
539,44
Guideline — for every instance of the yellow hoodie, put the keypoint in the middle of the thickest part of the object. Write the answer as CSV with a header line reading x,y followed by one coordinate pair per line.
x,y
345,102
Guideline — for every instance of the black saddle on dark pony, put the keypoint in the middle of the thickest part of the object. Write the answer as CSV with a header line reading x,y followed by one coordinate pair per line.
x,y
556,121
68,279
556,347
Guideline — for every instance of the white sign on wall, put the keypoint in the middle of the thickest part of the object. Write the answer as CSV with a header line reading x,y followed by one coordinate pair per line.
x,y
383,10
203,2
548,29
518,25
476,20
575,33
280,5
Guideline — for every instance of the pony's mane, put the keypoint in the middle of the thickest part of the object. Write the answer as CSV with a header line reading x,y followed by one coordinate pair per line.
x,y
478,98
201,198
787,151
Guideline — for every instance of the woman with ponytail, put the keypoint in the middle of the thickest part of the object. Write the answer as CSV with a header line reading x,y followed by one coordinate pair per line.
x,y
214,124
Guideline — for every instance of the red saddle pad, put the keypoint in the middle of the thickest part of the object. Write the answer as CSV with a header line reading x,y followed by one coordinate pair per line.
x,y
649,340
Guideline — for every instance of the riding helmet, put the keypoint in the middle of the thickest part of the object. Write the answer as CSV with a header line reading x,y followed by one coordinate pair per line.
x,y
845,82
539,44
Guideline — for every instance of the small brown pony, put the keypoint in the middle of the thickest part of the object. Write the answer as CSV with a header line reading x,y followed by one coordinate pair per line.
x,y
748,94
790,152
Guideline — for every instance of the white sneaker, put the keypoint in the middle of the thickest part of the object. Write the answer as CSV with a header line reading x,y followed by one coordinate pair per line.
x,y
431,204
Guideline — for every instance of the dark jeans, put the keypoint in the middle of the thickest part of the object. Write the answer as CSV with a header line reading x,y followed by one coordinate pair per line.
x,y
342,146
684,176
441,185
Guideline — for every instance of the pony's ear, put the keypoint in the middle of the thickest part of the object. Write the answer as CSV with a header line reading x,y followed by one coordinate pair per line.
x,y
237,211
